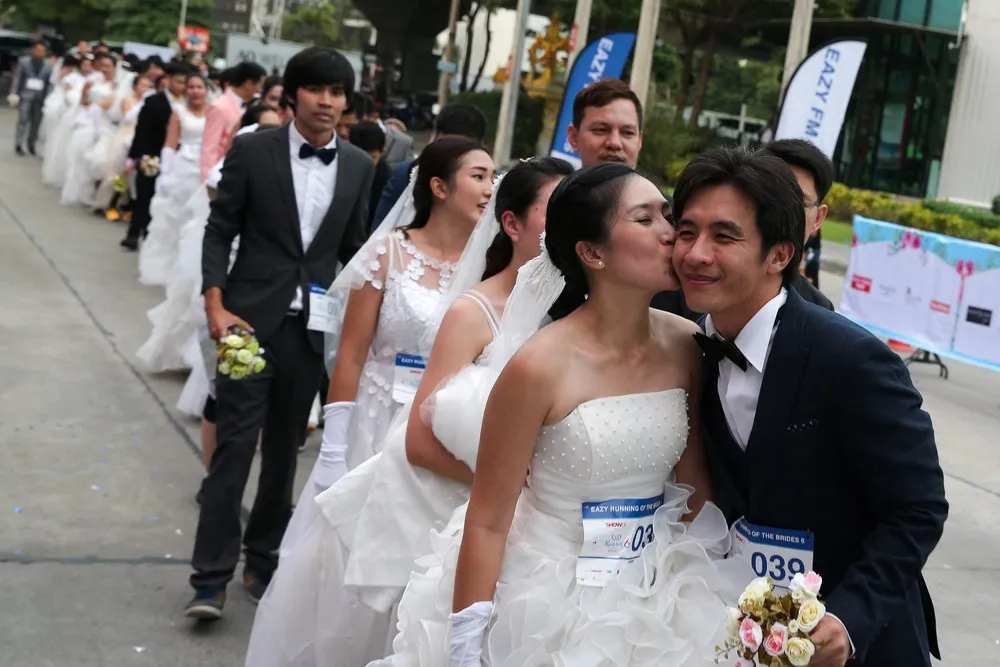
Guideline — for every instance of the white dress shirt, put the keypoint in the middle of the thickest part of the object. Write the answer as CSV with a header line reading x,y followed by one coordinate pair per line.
x,y
739,390
314,188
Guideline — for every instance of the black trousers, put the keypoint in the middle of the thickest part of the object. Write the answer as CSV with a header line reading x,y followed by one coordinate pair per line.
x,y
278,401
144,189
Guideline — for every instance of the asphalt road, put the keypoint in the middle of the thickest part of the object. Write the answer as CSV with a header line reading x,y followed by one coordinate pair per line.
x,y
99,470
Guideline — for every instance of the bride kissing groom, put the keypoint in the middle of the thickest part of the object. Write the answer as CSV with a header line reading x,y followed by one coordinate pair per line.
x,y
820,454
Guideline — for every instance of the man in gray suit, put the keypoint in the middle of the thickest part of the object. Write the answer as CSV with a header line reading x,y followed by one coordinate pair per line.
x,y
398,145
28,89
298,197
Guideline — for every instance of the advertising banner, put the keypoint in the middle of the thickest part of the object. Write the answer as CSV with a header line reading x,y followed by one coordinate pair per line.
x,y
601,59
817,96
934,292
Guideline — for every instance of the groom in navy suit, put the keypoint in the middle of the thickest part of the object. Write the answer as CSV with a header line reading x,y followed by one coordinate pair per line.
x,y
813,431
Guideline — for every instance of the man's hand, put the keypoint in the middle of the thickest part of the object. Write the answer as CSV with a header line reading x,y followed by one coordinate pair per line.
x,y
220,321
833,645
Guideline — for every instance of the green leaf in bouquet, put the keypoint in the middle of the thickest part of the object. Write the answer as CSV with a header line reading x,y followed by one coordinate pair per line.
x,y
258,364
253,346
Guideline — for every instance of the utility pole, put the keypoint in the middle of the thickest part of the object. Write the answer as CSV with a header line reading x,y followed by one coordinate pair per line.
x,y
798,41
578,32
642,61
183,21
446,66
511,88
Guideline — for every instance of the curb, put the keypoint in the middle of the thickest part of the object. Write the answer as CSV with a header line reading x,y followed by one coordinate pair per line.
x,y
833,266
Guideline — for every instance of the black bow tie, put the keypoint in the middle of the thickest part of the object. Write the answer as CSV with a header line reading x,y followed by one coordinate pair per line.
x,y
327,155
717,348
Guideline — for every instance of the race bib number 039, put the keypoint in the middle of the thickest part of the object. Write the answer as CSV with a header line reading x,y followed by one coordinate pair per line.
x,y
614,534
777,553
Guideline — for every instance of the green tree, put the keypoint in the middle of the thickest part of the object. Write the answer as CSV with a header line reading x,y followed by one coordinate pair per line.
x,y
152,22
74,19
312,24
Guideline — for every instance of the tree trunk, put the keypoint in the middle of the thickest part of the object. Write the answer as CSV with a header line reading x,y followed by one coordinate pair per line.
x,y
705,70
470,25
486,50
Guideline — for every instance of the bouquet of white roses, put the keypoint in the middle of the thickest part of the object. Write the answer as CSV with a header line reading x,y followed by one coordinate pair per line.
x,y
773,630
240,355
149,166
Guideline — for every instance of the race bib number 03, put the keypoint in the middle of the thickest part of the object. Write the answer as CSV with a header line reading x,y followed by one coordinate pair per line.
x,y
777,553
406,376
321,310
614,535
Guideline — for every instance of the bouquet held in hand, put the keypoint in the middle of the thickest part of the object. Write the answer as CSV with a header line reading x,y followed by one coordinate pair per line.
x,y
767,629
240,355
149,166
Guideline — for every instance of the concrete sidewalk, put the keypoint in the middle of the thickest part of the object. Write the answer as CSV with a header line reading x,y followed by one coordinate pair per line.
x,y
97,508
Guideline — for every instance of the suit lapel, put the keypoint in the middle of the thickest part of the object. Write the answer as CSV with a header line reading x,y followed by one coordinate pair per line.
x,y
344,191
286,183
782,377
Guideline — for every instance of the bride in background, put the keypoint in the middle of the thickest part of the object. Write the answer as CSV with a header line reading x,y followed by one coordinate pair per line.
x,y
180,176
601,408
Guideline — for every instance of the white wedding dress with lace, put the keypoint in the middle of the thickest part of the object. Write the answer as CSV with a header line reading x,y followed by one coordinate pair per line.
x,y
663,610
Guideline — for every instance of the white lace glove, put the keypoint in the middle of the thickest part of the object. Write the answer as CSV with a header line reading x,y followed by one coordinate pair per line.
x,y
466,632
332,462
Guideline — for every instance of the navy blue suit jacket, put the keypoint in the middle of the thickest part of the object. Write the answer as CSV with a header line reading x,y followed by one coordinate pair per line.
x,y
841,447
392,191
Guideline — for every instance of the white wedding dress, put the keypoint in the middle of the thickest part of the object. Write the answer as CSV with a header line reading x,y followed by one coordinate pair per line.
x,y
169,211
348,553
664,610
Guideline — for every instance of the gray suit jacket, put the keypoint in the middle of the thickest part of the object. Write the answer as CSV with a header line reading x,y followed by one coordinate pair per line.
x,y
398,147
256,201
26,70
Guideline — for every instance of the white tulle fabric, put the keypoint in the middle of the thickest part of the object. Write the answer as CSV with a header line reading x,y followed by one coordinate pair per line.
x,y
665,610
343,568
174,343
169,209
56,155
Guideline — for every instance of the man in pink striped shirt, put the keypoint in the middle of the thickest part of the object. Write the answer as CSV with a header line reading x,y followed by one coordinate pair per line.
x,y
222,117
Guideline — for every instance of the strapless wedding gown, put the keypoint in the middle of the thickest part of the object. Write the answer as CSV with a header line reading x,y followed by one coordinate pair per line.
x,y
665,609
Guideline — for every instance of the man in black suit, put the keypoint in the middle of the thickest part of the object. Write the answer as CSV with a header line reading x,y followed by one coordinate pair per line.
x,y
812,427
298,199
814,172
150,134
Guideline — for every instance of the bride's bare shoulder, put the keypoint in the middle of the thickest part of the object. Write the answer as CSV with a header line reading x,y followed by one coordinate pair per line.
x,y
543,357
674,332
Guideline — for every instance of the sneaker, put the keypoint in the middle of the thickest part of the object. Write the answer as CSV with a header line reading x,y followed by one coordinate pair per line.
x,y
255,583
207,604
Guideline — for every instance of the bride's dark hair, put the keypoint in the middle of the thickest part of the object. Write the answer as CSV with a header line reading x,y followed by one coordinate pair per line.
x,y
440,159
517,193
580,209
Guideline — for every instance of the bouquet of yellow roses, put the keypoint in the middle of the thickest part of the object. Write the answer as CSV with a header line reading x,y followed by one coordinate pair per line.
x,y
772,630
239,355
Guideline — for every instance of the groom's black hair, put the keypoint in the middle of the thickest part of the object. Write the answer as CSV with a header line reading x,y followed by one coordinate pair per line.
x,y
317,66
765,180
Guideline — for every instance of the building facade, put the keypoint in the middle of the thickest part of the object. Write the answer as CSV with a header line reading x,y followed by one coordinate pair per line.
x,y
970,170
894,132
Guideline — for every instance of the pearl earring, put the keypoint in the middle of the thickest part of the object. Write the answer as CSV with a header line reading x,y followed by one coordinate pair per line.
x,y
600,263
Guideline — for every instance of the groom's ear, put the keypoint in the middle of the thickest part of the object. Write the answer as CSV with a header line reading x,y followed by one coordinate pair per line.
x,y
779,256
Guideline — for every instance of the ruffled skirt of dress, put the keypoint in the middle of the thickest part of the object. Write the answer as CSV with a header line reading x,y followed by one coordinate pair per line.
x,y
307,617
175,342
200,352
666,610
52,112
78,187
56,155
168,215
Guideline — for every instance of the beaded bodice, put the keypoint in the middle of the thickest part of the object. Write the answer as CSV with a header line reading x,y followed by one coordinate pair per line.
x,y
608,448
413,285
